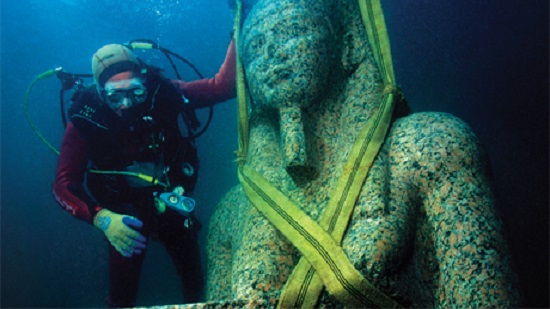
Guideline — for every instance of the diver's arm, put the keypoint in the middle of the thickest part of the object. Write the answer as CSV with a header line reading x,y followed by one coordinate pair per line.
x,y
209,91
68,187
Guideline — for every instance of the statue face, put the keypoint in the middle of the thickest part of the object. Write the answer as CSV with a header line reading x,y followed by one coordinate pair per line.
x,y
284,47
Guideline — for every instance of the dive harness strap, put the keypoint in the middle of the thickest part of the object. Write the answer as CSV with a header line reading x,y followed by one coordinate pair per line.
x,y
324,262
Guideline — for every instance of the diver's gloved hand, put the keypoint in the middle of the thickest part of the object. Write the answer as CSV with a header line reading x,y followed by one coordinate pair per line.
x,y
120,231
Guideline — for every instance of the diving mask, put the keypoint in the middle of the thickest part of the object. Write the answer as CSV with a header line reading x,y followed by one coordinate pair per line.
x,y
124,92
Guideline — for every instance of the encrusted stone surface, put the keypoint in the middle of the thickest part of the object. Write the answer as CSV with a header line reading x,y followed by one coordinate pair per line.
x,y
424,229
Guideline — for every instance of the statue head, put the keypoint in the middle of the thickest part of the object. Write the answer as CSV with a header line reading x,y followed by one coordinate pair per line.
x,y
299,55
285,48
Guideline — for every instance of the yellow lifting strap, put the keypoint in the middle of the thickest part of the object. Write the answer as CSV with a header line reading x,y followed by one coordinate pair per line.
x,y
377,34
304,286
242,92
321,250
325,263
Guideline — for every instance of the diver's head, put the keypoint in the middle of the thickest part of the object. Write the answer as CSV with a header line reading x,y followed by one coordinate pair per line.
x,y
113,59
117,74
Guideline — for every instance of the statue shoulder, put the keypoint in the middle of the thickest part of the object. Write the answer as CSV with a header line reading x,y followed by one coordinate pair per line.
x,y
428,128
429,144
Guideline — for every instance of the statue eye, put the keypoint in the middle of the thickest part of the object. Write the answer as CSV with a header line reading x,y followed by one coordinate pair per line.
x,y
254,48
256,44
298,28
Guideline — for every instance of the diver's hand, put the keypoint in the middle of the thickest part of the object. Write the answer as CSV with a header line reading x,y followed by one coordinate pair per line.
x,y
120,231
179,84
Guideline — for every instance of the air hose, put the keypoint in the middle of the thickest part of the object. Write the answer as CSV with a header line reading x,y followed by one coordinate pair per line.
x,y
141,176
58,72
42,76
69,81
149,44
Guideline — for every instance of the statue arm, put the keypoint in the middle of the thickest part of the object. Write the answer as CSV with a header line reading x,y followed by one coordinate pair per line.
x,y
219,253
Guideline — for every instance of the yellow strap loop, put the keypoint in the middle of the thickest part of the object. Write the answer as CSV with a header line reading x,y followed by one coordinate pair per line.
x,y
304,285
324,262
340,277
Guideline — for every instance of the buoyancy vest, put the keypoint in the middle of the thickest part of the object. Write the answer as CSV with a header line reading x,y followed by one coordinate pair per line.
x,y
148,141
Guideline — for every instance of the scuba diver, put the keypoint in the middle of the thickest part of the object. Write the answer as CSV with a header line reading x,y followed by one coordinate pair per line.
x,y
126,168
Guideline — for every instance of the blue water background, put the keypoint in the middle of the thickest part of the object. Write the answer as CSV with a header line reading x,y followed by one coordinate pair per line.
x,y
484,61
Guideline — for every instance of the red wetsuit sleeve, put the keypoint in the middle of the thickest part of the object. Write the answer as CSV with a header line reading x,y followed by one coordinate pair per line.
x,y
68,187
209,91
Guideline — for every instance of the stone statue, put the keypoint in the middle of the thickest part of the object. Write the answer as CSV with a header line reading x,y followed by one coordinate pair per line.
x,y
424,229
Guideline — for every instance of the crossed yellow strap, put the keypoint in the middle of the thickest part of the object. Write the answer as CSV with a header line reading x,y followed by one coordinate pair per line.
x,y
324,263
